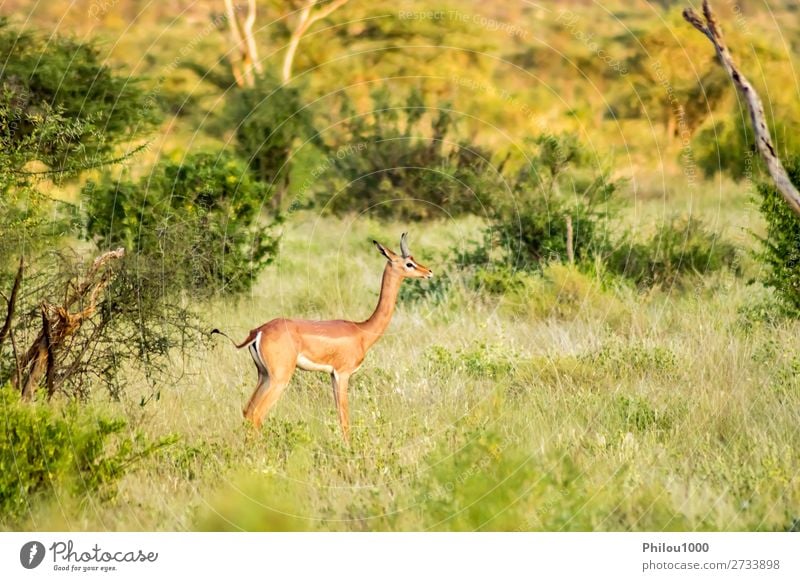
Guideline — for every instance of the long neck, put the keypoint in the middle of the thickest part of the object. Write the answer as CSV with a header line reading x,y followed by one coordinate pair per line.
x,y
375,326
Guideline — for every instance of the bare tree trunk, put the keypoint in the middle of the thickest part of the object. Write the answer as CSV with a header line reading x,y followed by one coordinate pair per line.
x,y
570,247
244,53
302,26
711,29
307,19
39,358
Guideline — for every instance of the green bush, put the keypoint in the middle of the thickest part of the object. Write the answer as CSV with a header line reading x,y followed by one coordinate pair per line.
x,y
60,105
636,414
680,246
45,452
780,249
530,228
61,111
269,119
726,146
199,221
405,160
536,232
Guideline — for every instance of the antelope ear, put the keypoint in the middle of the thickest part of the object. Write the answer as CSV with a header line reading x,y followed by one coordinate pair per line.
x,y
385,251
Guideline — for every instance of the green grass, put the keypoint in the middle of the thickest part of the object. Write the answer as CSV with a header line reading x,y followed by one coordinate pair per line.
x,y
585,407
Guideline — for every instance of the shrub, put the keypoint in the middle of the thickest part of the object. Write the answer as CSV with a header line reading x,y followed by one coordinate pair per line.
x,y
484,484
110,320
726,146
536,232
563,291
780,249
407,160
61,111
488,361
680,246
632,359
195,224
60,105
526,232
269,119
636,414
46,452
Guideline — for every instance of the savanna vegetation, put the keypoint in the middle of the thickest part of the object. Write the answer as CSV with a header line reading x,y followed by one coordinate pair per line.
x,y
610,339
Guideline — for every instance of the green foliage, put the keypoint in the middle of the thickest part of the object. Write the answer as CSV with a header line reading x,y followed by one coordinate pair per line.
x,y
638,415
472,487
198,222
269,120
666,83
554,189
537,232
45,453
632,359
61,111
61,106
680,246
780,249
477,360
406,160
727,146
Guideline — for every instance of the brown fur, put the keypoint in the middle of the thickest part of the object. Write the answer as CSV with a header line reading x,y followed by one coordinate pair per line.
x,y
339,345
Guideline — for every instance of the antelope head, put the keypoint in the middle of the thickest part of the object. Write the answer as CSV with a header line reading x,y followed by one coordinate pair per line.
x,y
403,263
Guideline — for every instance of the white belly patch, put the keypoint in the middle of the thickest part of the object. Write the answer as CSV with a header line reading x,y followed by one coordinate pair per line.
x,y
306,364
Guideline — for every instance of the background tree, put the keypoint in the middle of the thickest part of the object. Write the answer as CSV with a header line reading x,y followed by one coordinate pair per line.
x,y
62,112
199,220
311,12
666,84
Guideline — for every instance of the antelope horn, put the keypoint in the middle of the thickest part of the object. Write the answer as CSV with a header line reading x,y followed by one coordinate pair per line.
x,y
404,245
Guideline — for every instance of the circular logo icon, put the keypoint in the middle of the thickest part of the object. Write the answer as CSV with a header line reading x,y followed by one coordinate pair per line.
x,y
31,554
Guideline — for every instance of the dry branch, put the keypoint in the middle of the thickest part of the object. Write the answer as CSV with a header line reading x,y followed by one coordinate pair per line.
x,y
11,301
59,323
709,27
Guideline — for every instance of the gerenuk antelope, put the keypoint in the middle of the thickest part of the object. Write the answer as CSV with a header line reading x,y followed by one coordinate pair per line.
x,y
335,347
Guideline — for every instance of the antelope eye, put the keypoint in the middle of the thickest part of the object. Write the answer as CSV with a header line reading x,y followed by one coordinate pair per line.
x,y
409,265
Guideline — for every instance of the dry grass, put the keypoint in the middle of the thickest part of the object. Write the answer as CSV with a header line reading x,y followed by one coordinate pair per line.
x,y
582,407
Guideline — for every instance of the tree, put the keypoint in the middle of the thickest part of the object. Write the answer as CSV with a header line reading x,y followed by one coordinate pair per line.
x,y
312,12
198,221
62,111
405,160
269,119
666,85
243,56
712,31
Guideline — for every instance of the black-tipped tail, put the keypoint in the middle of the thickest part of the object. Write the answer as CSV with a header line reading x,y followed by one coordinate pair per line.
x,y
218,332
250,338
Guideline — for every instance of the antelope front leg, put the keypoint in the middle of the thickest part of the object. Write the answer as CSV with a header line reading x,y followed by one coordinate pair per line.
x,y
340,382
